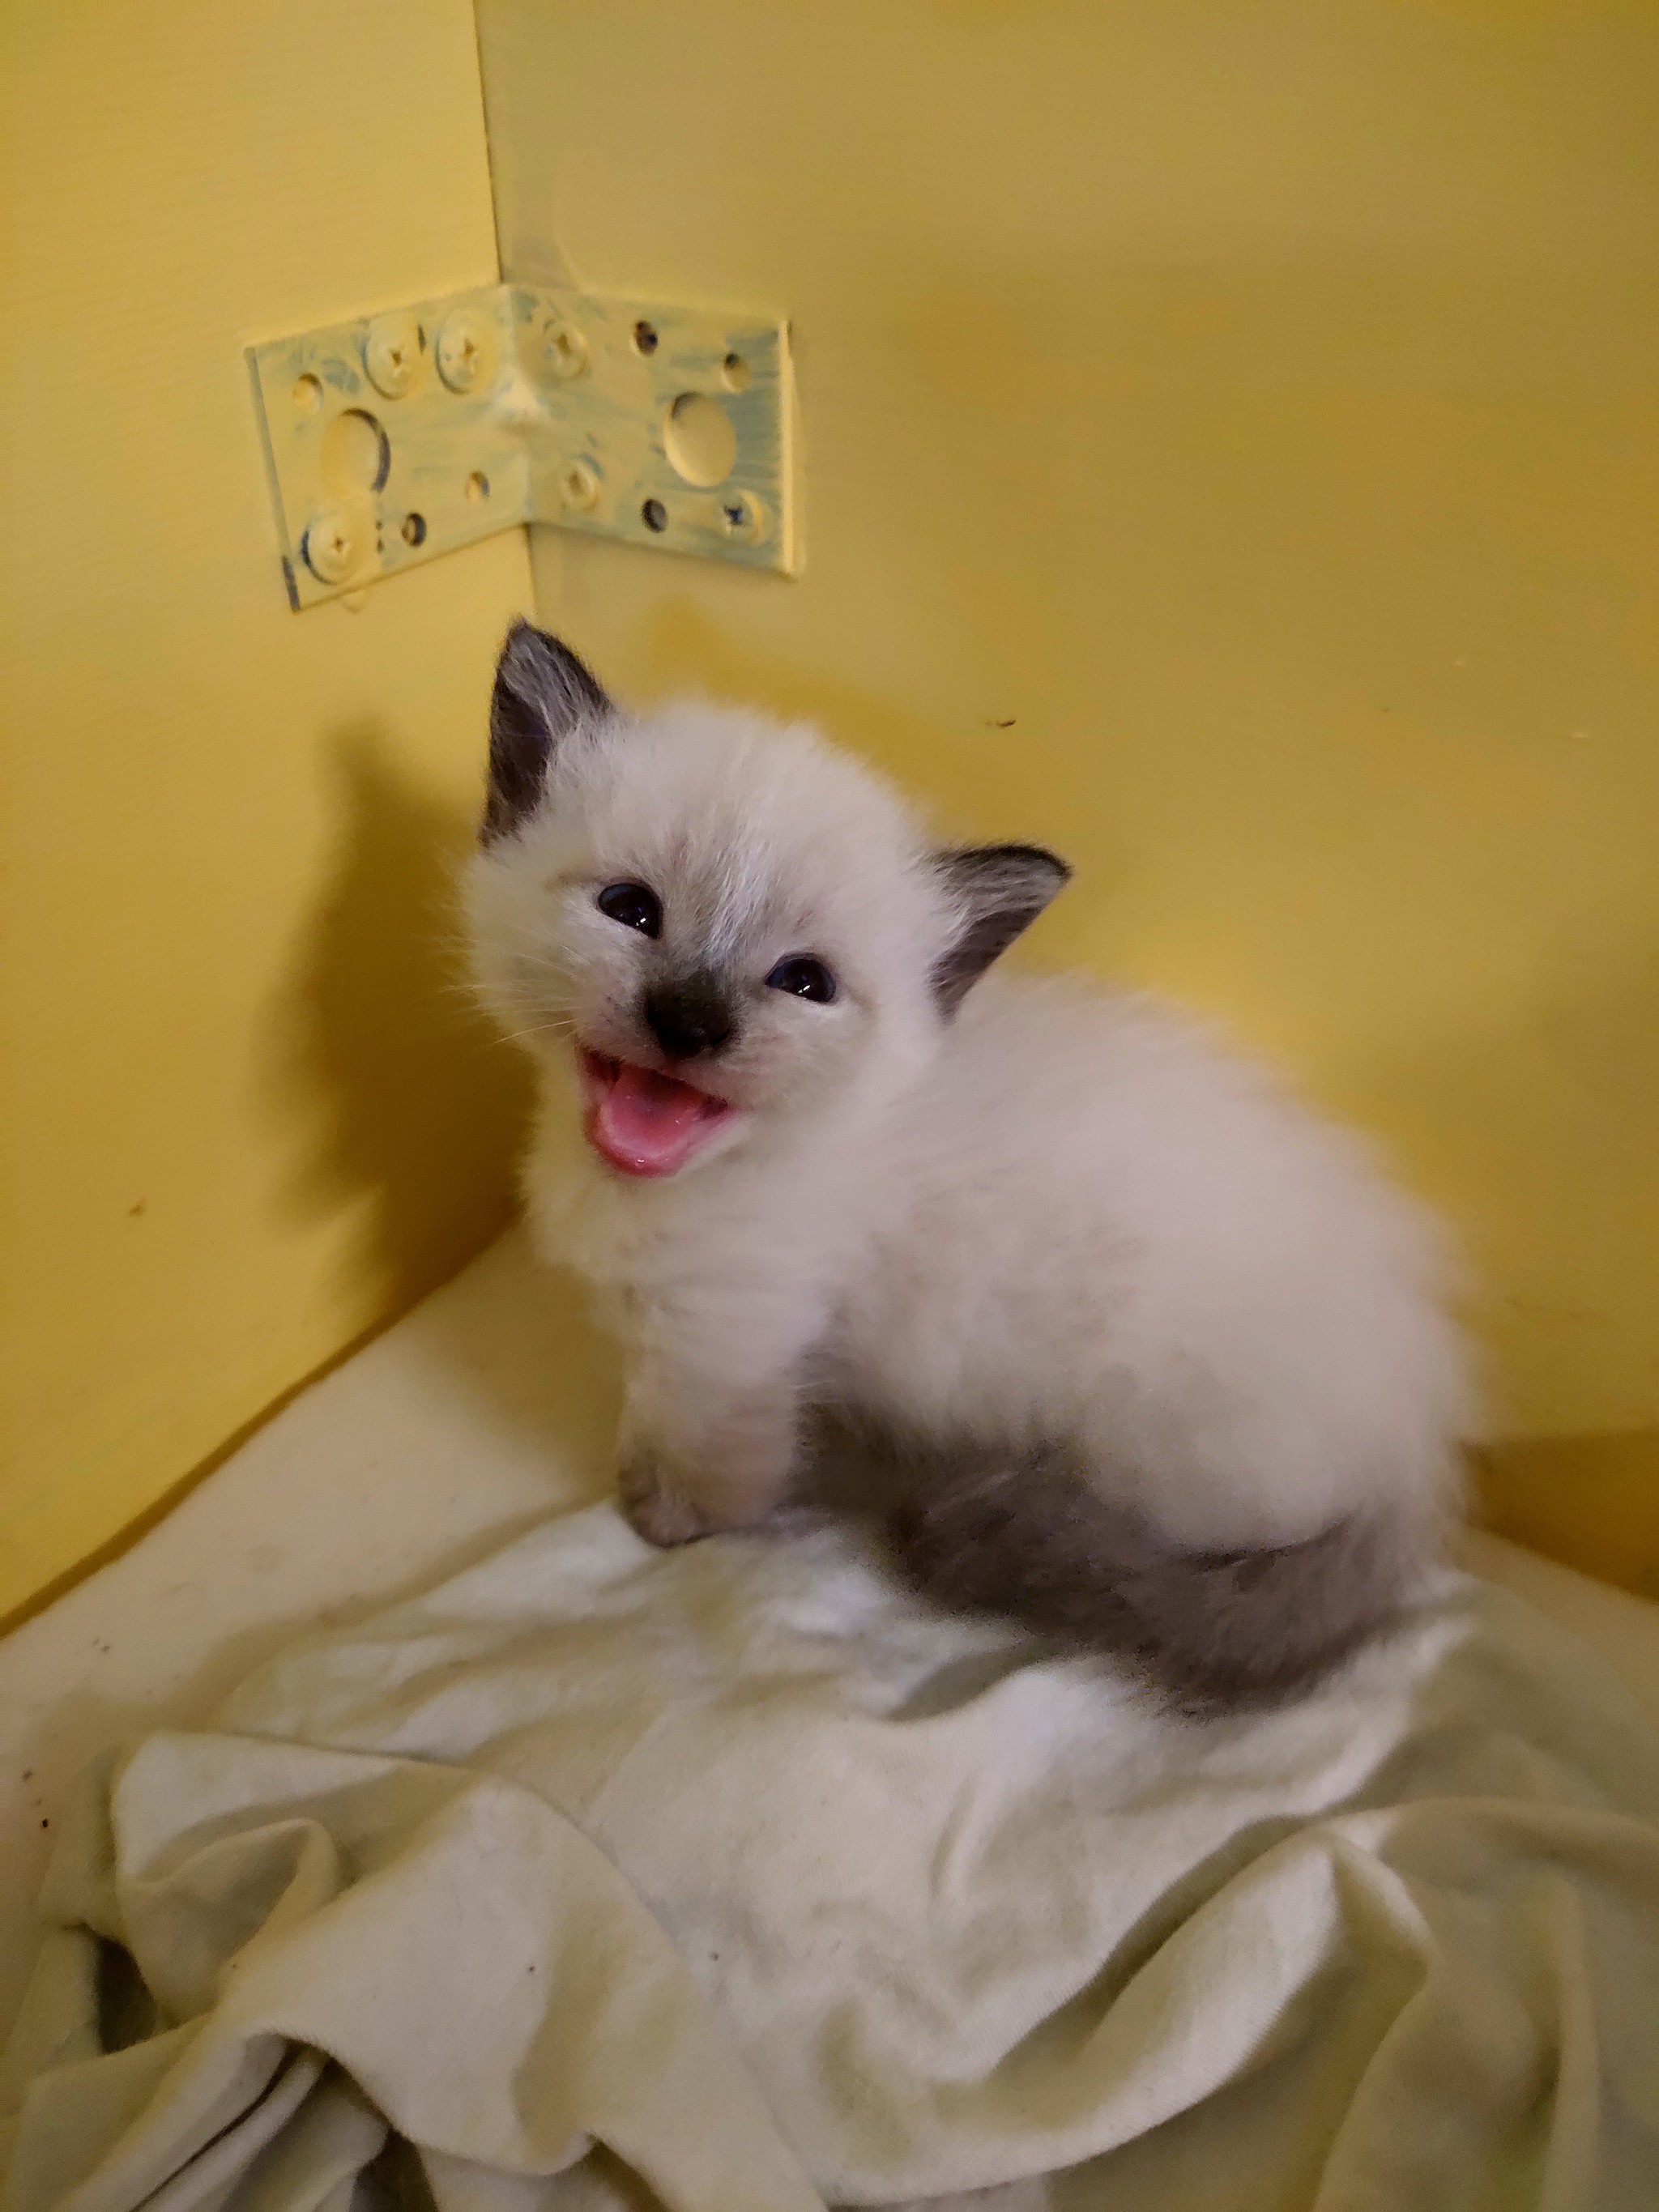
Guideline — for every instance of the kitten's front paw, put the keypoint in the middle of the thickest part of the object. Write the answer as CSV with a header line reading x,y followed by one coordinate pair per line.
x,y
663,1516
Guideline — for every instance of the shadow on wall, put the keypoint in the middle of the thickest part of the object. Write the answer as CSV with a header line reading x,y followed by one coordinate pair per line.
x,y
412,1108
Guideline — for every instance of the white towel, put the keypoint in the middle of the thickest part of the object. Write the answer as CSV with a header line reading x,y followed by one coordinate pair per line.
x,y
735,1864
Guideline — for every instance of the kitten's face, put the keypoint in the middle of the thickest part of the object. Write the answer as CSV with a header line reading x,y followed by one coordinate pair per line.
x,y
703,899
715,924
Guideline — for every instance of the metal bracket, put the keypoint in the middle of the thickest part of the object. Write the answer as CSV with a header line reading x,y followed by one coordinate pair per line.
x,y
397,437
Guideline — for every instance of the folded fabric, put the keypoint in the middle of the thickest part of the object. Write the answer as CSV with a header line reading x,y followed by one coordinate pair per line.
x,y
729,1880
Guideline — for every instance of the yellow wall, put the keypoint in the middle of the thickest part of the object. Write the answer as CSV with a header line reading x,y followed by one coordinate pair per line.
x,y
1253,407
1256,407
244,1122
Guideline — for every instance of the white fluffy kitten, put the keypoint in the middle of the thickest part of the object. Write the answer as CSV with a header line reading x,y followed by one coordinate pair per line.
x,y
1163,1358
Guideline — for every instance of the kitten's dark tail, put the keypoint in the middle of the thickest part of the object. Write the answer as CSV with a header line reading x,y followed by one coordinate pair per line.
x,y
1210,1631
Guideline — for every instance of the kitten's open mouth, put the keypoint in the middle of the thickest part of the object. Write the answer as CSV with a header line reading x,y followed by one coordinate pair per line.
x,y
641,1122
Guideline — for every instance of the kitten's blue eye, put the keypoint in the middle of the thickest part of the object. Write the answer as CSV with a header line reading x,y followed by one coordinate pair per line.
x,y
632,905
803,979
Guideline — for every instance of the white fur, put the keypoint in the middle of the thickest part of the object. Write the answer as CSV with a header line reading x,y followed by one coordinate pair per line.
x,y
1064,1216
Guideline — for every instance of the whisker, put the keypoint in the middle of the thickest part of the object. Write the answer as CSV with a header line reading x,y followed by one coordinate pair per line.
x,y
538,1029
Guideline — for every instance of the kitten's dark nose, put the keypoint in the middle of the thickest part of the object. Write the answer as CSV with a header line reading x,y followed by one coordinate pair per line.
x,y
688,1018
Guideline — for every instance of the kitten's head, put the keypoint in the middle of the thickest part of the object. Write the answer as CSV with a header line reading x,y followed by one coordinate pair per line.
x,y
720,923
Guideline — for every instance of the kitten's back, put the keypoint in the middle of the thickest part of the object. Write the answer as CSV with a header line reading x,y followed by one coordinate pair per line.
x,y
1111,1234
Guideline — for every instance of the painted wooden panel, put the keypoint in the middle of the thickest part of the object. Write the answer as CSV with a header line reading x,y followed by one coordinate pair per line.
x,y
1231,443
247,1115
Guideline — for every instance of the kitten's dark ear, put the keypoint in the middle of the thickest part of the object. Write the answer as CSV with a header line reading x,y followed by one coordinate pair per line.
x,y
998,891
542,692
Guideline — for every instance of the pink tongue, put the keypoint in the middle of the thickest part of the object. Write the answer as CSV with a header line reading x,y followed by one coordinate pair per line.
x,y
648,1124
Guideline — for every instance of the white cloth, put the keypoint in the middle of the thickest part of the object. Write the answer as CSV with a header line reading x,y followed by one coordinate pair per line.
x,y
734,1862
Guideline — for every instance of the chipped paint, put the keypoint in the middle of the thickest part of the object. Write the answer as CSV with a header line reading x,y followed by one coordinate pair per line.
x,y
490,409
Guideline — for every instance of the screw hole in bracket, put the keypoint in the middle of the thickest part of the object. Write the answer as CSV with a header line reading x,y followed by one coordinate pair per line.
x,y
699,439
414,530
654,515
356,455
644,337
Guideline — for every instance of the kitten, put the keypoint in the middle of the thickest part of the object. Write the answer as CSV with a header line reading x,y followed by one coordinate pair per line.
x,y
1164,1359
